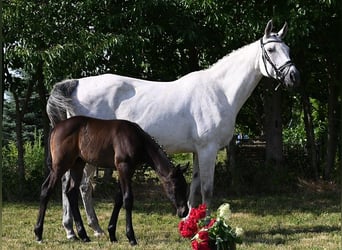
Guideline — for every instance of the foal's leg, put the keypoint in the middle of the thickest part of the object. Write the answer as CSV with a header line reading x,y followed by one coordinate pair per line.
x,y
115,214
72,194
45,194
125,176
86,193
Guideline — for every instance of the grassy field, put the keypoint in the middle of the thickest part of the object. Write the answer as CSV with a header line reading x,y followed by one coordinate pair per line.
x,y
295,221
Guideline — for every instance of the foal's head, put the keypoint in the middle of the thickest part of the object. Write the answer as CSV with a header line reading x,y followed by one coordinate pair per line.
x,y
176,189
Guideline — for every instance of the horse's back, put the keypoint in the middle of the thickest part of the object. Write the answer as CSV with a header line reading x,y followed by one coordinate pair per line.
x,y
173,112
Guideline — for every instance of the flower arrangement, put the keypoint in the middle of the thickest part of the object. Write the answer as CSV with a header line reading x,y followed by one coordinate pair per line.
x,y
208,233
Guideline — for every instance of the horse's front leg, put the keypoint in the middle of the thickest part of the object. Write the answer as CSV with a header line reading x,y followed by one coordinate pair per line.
x,y
206,161
72,194
86,193
195,187
125,174
128,205
115,214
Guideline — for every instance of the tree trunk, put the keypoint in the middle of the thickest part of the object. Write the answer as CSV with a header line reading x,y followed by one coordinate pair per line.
x,y
20,145
21,108
42,92
332,130
310,135
273,124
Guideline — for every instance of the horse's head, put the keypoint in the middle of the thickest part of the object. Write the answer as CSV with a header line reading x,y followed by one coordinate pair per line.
x,y
275,61
177,191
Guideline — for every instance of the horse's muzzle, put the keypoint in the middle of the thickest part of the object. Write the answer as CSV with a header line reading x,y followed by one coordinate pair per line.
x,y
292,79
183,211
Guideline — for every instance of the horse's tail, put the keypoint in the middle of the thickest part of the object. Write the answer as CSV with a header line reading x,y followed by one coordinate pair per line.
x,y
59,103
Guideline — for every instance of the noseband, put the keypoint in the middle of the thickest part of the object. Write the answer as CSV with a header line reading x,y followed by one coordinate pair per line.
x,y
280,73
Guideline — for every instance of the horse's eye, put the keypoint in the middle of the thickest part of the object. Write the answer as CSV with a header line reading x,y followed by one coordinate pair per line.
x,y
271,49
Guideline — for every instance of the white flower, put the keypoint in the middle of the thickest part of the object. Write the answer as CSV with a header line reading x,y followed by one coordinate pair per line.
x,y
239,232
224,212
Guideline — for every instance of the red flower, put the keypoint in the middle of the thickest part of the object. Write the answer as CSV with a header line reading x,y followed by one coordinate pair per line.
x,y
198,213
201,242
211,223
188,228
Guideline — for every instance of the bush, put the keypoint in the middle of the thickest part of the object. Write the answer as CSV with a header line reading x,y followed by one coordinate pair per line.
x,y
34,169
9,171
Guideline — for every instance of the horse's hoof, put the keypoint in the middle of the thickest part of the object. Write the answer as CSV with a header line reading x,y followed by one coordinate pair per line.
x,y
133,242
86,239
73,238
39,239
38,233
113,240
99,234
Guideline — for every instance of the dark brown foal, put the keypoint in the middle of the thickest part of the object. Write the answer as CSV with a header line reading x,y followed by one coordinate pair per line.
x,y
118,144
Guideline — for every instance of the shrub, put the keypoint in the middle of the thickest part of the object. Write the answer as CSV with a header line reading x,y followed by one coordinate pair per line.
x,y
34,169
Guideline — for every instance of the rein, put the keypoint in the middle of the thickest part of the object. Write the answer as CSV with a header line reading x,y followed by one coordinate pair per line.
x,y
280,74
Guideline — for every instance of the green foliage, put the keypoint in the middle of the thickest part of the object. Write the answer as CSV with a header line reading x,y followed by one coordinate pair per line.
x,y
9,171
34,170
34,160
163,40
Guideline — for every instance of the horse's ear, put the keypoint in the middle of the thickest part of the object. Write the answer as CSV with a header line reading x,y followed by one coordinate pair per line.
x,y
283,31
268,28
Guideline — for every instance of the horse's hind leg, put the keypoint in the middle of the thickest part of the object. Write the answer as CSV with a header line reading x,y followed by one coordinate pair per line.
x,y
72,194
46,190
114,218
67,214
86,193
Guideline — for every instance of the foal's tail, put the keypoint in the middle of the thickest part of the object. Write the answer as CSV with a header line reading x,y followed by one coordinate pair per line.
x,y
59,103
49,156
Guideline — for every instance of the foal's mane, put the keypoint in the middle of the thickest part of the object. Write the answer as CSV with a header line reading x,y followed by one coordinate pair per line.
x,y
154,149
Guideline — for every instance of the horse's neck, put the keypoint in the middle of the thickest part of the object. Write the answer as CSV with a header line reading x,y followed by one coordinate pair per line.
x,y
238,74
158,158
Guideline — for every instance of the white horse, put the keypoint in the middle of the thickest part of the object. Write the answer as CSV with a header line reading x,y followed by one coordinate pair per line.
x,y
195,113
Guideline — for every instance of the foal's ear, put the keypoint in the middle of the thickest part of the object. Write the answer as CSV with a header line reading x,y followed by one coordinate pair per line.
x,y
268,28
183,169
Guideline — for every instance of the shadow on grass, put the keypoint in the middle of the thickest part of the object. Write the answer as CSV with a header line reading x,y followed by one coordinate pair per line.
x,y
149,197
282,235
315,203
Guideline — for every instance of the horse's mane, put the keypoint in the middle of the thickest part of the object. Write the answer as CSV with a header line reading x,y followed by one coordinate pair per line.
x,y
234,56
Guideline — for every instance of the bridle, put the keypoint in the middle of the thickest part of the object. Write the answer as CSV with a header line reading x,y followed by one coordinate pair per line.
x,y
280,71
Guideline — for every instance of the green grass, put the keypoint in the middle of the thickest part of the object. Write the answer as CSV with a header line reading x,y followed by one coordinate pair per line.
x,y
295,221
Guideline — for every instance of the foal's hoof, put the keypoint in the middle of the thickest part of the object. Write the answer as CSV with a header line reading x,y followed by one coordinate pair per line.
x,y
86,239
73,238
38,233
133,242
39,239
